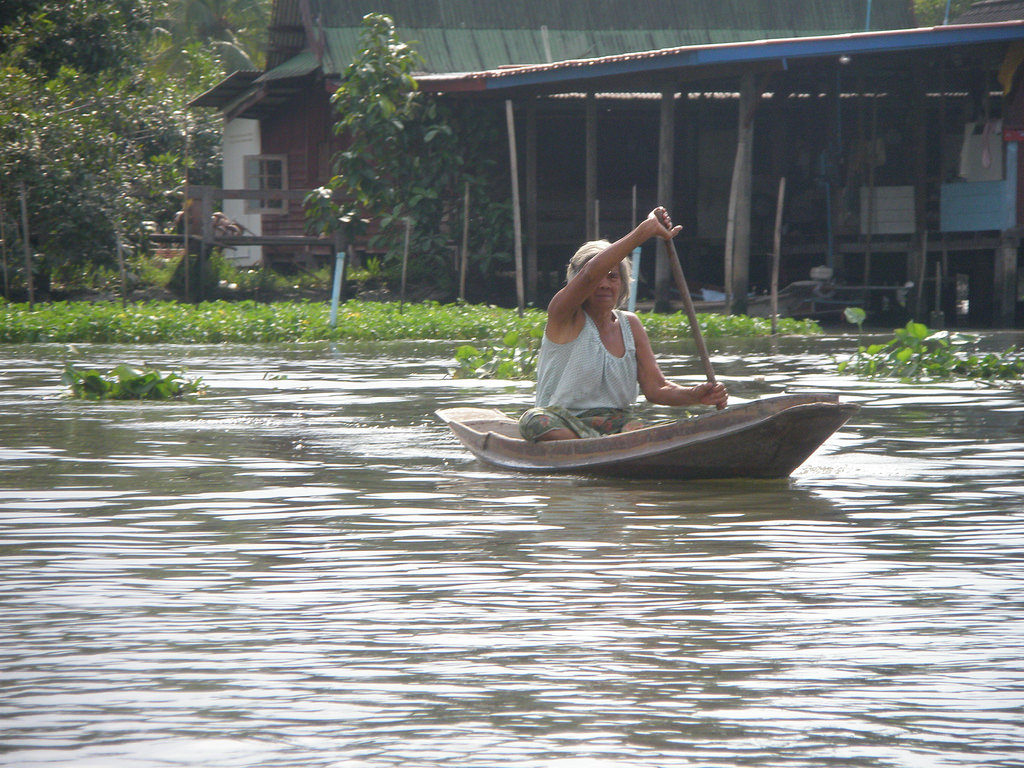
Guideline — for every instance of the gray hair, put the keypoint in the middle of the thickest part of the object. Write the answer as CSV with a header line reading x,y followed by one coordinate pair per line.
x,y
589,250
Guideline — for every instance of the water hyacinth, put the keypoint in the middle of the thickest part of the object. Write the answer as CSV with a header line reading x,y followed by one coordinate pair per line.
x,y
127,383
916,353
252,322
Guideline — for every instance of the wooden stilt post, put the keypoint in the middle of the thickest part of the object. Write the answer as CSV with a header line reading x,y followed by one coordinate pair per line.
x,y
777,254
663,275
207,240
465,245
922,266
730,222
591,163
741,233
405,263
29,282
516,215
3,245
186,261
872,157
531,200
120,265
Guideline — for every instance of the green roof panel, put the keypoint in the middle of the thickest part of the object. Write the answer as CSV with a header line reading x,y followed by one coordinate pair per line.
x,y
475,35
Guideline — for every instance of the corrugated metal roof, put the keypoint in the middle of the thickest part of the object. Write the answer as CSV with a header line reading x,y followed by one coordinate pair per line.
x,y
474,35
763,15
571,73
989,11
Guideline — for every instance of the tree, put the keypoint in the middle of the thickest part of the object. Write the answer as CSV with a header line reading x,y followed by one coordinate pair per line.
x,y
233,31
89,36
932,13
96,141
410,155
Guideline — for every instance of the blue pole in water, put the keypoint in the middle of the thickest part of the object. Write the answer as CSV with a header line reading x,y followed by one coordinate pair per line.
x,y
634,280
339,267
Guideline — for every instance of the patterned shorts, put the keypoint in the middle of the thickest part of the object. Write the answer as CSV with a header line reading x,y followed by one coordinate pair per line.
x,y
594,422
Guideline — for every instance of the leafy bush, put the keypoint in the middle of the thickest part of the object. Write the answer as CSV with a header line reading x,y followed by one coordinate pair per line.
x,y
127,383
918,354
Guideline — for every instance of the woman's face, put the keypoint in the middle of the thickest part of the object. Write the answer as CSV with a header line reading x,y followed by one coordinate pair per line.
x,y
606,294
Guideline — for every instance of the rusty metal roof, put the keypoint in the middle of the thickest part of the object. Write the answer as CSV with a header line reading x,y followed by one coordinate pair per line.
x,y
568,74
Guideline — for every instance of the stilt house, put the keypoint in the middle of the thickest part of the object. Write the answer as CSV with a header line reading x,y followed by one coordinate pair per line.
x,y
898,144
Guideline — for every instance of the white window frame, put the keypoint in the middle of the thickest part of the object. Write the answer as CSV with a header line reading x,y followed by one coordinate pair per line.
x,y
260,173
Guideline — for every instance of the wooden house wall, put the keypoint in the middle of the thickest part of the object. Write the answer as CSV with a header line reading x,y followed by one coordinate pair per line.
x,y
302,132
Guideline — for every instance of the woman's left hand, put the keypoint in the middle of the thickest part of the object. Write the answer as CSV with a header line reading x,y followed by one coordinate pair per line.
x,y
711,394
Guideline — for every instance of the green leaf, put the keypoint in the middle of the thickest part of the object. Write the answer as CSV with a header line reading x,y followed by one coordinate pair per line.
x,y
855,315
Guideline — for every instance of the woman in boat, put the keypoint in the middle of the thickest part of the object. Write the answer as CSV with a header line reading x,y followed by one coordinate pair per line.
x,y
594,355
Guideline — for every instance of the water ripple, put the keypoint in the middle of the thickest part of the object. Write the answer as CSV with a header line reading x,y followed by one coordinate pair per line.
x,y
309,571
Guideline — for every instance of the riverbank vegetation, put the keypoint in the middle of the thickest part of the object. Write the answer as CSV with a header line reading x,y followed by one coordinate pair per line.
x,y
172,322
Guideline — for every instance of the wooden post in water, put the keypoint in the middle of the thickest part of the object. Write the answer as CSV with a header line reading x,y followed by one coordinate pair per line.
x,y
777,254
730,226
120,265
29,282
465,244
405,263
936,319
531,200
3,245
741,225
206,212
666,163
517,223
922,267
186,262
872,156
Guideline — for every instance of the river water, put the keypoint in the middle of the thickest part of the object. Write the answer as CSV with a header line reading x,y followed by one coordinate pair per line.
x,y
303,568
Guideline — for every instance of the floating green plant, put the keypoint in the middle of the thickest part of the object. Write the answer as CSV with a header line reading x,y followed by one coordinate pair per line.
x,y
917,353
514,358
127,383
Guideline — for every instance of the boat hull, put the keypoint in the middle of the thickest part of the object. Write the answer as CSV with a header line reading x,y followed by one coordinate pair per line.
x,y
767,438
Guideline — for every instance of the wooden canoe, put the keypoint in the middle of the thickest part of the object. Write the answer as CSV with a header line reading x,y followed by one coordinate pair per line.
x,y
767,438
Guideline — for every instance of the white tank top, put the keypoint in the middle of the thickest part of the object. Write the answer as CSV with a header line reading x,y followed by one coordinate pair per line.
x,y
583,374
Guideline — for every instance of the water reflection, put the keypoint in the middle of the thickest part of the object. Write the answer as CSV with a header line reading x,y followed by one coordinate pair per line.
x,y
305,569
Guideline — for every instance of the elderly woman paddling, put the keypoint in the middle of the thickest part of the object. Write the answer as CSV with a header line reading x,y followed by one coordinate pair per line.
x,y
593,355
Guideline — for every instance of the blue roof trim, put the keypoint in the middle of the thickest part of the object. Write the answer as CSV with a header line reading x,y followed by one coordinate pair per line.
x,y
736,53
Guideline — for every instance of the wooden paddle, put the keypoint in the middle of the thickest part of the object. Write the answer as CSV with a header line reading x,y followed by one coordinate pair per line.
x,y
691,313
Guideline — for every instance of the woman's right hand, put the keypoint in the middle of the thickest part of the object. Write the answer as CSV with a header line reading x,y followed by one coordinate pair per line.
x,y
663,224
